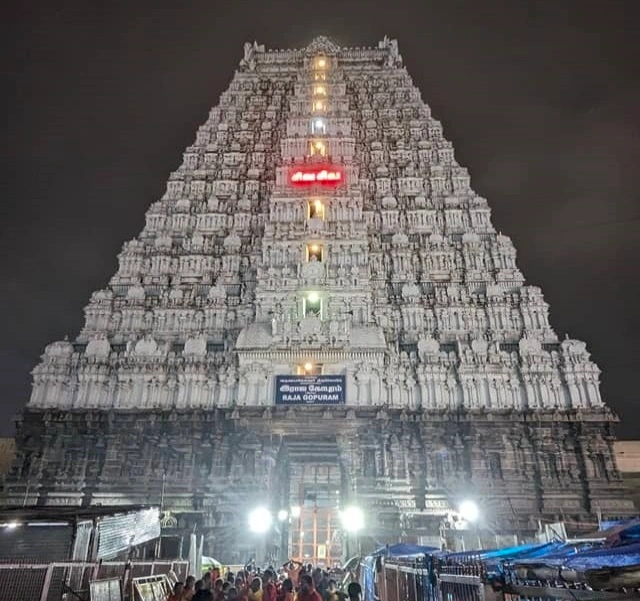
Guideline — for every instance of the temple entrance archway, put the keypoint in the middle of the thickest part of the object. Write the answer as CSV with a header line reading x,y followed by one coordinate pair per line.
x,y
314,482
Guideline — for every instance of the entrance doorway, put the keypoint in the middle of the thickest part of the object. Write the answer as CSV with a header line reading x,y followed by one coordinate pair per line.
x,y
315,486
316,536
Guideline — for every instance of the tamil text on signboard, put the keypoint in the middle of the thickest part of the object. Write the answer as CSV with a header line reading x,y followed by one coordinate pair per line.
x,y
310,390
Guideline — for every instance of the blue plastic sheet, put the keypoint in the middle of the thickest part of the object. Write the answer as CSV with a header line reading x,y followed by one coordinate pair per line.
x,y
616,557
368,578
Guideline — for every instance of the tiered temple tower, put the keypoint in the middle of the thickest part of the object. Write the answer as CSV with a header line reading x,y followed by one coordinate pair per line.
x,y
317,312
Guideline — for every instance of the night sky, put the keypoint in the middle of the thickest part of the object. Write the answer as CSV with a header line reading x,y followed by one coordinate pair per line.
x,y
541,100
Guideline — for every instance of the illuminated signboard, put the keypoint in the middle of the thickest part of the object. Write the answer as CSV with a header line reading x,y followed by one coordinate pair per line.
x,y
316,175
311,390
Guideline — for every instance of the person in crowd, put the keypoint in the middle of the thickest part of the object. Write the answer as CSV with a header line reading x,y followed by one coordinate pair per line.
x,y
203,595
206,581
332,593
255,590
178,591
232,593
292,568
316,574
307,590
269,591
218,590
321,581
286,590
241,589
354,591
189,588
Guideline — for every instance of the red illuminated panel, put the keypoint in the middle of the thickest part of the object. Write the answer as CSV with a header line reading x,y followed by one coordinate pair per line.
x,y
304,176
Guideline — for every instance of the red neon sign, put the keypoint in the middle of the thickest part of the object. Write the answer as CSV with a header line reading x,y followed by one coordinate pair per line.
x,y
316,175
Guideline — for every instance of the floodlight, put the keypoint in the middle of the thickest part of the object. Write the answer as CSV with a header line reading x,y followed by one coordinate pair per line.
x,y
469,511
352,519
260,520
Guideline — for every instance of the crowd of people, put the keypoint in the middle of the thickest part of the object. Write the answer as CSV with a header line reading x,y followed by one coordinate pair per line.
x,y
293,581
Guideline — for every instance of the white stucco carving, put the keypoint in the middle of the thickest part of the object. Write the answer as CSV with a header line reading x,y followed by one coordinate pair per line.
x,y
420,300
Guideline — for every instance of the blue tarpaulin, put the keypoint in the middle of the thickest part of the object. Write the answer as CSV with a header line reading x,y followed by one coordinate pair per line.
x,y
368,578
608,558
628,555
589,559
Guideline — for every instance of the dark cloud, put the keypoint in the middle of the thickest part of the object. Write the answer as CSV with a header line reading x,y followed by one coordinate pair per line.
x,y
540,99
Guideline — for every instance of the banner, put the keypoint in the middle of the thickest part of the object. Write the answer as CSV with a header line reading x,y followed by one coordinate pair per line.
x,y
310,390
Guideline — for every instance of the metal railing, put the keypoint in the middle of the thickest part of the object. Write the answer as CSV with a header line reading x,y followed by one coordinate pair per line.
x,y
410,581
434,579
70,581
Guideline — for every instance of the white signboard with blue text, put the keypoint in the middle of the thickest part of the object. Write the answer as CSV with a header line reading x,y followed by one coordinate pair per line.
x,y
311,390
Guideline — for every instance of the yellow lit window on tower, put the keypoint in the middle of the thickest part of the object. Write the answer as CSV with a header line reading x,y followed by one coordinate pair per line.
x,y
320,90
317,148
310,369
314,252
319,105
320,76
312,305
318,126
321,62
316,209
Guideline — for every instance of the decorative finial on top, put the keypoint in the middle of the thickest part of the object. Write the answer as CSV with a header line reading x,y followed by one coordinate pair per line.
x,y
394,58
249,60
322,45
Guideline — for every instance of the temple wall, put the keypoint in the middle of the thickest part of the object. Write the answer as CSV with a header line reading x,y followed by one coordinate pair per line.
x,y
405,468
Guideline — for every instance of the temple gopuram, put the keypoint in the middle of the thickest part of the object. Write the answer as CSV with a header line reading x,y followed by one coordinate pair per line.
x,y
319,313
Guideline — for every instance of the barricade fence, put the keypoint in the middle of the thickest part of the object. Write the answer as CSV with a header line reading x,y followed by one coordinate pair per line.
x,y
70,581
432,579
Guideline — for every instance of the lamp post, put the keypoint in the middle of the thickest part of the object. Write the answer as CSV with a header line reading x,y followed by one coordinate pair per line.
x,y
283,519
470,513
352,519
259,522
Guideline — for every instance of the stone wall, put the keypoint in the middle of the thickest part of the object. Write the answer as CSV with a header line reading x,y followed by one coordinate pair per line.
x,y
7,454
628,460
405,468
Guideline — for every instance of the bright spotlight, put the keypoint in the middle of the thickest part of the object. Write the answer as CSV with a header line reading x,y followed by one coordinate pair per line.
x,y
12,525
283,514
313,297
352,519
260,520
295,511
469,511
